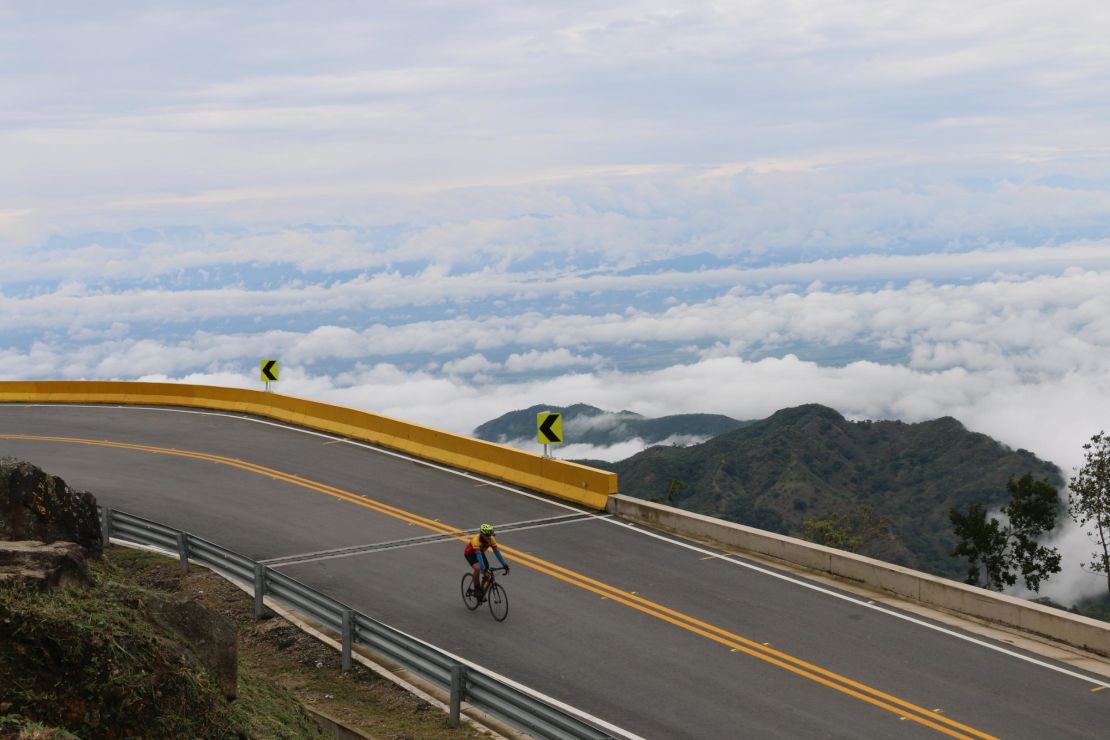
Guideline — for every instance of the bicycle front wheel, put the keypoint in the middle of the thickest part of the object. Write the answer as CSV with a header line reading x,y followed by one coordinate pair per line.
x,y
469,592
498,602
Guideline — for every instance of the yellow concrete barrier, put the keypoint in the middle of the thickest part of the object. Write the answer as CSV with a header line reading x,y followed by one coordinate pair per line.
x,y
566,480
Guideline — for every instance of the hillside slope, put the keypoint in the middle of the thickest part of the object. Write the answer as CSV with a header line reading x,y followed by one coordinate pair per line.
x,y
809,462
584,424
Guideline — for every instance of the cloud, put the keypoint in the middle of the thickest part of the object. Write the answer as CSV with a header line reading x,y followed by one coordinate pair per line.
x,y
1040,327
604,422
608,453
328,116
469,365
1074,581
555,359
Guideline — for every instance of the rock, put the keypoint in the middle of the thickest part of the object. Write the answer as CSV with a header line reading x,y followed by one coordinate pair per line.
x,y
212,637
44,566
37,506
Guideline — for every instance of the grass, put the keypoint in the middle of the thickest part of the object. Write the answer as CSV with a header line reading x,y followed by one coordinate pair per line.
x,y
89,661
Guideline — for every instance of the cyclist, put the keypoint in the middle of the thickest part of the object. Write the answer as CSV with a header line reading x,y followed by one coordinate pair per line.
x,y
475,553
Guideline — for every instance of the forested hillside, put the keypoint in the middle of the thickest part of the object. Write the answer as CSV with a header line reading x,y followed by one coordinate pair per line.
x,y
890,482
584,424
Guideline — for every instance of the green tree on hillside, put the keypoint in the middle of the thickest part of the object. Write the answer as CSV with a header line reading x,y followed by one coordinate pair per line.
x,y
983,543
1089,500
851,531
672,488
998,553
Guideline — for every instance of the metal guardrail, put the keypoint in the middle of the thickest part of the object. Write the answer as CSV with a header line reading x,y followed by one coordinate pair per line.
x,y
525,710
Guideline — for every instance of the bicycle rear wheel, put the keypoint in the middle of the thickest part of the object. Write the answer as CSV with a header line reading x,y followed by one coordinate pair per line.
x,y
469,592
498,602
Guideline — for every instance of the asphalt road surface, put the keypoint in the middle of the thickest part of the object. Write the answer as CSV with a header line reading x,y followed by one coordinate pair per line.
x,y
658,636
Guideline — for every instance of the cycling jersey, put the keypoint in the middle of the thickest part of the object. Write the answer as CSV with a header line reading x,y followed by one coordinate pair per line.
x,y
476,544
475,551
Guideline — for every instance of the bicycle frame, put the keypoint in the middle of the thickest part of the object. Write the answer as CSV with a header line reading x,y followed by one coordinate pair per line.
x,y
488,577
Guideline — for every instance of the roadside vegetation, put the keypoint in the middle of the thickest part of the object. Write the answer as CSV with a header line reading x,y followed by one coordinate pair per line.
x,y
999,552
87,661
1089,503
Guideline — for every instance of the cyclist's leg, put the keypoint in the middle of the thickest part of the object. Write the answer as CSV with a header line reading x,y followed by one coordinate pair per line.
x,y
475,572
484,583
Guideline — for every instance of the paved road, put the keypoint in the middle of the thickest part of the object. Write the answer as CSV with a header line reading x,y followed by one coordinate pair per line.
x,y
657,636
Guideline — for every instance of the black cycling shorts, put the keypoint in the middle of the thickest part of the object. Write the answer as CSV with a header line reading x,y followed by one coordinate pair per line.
x,y
471,557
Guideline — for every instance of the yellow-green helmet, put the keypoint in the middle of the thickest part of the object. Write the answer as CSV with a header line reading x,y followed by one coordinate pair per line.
x,y
486,529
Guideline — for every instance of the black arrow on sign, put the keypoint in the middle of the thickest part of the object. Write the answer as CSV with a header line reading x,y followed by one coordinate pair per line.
x,y
267,370
547,431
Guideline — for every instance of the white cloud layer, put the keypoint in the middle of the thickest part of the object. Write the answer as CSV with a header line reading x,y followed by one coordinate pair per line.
x,y
277,113
1045,326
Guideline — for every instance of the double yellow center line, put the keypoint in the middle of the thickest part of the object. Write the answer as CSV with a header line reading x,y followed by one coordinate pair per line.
x,y
904,709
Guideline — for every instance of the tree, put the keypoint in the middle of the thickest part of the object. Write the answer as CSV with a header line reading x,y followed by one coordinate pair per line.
x,y
672,488
852,531
1032,512
832,533
996,552
983,543
1089,500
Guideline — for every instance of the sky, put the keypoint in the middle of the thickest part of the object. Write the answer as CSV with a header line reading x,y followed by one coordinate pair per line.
x,y
446,211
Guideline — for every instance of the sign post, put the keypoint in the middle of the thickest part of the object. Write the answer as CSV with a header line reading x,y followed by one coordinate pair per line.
x,y
549,429
269,372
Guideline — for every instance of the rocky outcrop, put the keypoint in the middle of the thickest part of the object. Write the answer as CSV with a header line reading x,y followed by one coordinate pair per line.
x,y
44,566
50,530
35,505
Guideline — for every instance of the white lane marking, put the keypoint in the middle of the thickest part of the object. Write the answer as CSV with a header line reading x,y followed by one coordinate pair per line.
x,y
526,524
608,518
434,539
868,604
587,518
375,549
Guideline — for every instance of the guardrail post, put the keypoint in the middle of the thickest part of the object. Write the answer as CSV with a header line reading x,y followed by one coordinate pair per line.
x,y
106,523
183,551
259,588
458,693
348,630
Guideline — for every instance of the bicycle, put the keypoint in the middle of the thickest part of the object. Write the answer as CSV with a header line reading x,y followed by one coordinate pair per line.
x,y
496,597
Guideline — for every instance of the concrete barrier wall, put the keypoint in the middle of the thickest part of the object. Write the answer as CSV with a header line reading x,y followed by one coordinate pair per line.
x,y
1072,629
566,480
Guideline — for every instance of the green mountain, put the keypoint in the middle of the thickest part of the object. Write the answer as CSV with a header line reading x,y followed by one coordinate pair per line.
x,y
583,424
890,482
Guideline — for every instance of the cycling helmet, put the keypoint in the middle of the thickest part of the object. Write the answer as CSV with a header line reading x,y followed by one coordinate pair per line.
x,y
486,529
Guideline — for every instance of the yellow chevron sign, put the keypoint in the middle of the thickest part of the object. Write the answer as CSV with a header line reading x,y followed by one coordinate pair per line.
x,y
549,428
269,370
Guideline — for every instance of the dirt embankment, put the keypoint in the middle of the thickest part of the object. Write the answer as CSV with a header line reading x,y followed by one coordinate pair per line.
x,y
97,662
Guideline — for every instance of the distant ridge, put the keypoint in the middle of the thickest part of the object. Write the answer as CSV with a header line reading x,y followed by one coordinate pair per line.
x,y
809,462
584,424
